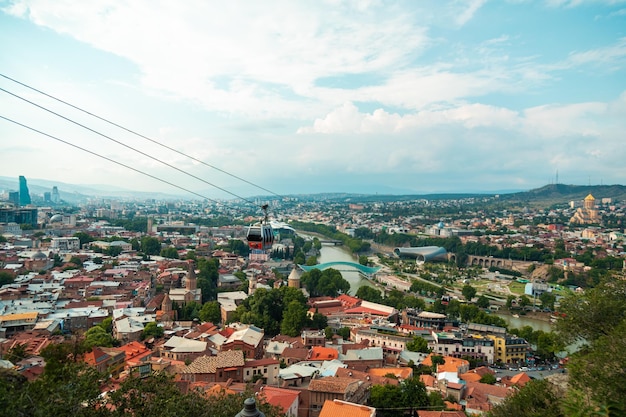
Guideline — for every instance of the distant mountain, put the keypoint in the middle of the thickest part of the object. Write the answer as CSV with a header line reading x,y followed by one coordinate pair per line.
x,y
563,193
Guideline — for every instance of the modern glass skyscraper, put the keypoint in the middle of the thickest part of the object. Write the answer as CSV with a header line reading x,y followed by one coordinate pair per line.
x,y
24,194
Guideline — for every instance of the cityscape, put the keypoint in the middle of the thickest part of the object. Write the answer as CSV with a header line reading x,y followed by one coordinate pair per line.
x,y
470,303
328,208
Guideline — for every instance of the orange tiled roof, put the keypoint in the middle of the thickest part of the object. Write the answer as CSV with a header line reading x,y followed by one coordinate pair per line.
x,y
337,408
520,379
399,372
428,380
451,364
364,376
470,377
319,353
279,397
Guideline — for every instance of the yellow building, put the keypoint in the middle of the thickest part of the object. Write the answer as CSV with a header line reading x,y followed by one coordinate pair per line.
x,y
18,322
509,349
587,214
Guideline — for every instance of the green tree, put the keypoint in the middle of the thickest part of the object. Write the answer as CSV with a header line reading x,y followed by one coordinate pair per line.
x,y
294,319
16,353
210,312
299,258
414,393
150,245
328,282
344,332
113,251
536,399
169,252
76,261
482,302
83,238
547,300
509,301
418,344
97,336
468,292
318,321
328,332
207,278
6,278
488,379
107,324
369,294
524,301
436,401
152,329
386,399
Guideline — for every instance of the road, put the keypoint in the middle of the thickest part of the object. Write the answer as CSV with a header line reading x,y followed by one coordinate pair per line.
x,y
533,374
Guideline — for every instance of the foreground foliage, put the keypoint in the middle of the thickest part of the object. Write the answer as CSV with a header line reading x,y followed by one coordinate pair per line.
x,y
75,390
596,319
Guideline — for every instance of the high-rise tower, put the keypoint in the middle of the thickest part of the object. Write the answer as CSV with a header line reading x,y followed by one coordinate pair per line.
x,y
56,198
24,194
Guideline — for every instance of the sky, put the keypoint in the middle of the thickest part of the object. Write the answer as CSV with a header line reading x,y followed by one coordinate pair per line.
x,y
299,97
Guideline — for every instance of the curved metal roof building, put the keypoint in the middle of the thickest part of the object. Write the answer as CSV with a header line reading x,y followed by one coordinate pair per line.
x,y
423,253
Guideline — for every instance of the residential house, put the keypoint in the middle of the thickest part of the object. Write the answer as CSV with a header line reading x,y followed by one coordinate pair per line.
x,y
363,359
266,369
182,349
226,365
285,399
335,388
246,338
106,360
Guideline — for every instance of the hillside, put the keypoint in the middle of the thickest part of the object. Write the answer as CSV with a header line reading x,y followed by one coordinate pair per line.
x,y
563,193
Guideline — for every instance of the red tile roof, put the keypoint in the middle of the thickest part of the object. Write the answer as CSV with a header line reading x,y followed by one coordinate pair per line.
x,y
279,397
319,353
337,408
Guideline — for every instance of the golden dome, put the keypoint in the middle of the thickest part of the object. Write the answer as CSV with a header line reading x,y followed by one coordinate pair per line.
x,y
590,198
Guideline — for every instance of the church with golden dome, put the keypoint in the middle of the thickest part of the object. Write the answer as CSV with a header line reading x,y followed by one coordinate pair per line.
x,y
587,214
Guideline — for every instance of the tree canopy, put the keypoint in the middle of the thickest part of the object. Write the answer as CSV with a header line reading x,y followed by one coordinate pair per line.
x,y
328,282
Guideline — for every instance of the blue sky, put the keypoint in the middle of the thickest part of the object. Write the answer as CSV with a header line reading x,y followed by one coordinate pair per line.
x,y
319,96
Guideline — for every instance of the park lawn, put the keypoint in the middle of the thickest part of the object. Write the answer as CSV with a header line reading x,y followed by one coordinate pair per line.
x,y
517,287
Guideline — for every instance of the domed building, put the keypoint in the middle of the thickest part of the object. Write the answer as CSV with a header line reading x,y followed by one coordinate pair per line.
x,y
294,278
587,214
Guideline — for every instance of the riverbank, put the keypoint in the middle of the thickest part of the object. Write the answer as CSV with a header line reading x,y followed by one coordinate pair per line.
x,y
533,315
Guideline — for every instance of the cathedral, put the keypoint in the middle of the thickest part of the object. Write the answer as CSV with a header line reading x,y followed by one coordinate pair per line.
x,y
587,214
191,292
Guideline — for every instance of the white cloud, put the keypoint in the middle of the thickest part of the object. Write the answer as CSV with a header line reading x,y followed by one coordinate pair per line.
x,y
237,59
603,56
469,12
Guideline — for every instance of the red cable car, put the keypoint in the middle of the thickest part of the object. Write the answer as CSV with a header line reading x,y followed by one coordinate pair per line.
x,y
260,236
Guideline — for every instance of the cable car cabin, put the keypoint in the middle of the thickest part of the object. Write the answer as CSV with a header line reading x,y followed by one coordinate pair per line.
x,y
260,236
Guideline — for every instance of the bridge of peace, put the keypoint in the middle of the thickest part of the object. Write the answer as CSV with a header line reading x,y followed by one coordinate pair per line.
x,y
368,271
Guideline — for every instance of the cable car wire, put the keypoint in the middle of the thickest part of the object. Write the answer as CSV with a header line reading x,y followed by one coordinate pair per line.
x,y
115,162
138,134
126,146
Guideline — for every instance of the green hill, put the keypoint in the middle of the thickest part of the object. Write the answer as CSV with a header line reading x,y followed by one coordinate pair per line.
x,y
563,193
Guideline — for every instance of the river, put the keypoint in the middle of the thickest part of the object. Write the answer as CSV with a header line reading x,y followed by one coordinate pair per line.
x,y
521,321
331,253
